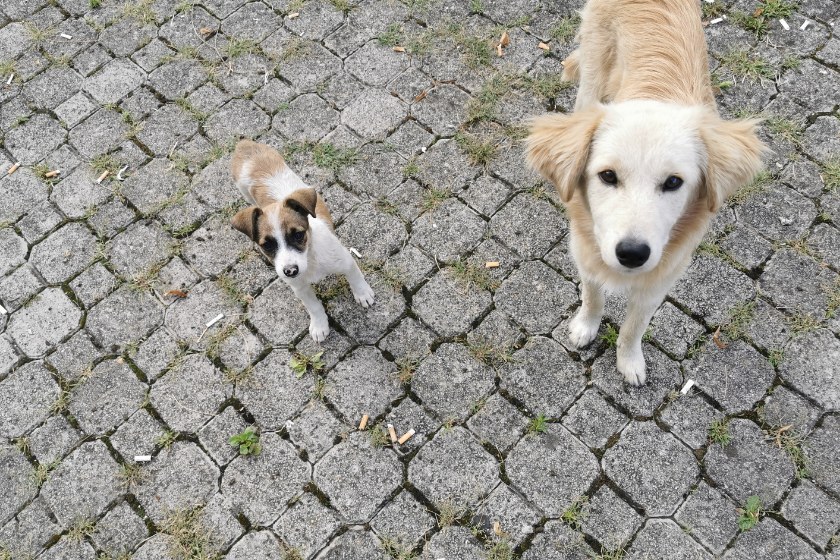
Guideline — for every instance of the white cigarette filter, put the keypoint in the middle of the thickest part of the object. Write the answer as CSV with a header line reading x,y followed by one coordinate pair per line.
x,y
784,24
688,385
215,320
805,25
142,458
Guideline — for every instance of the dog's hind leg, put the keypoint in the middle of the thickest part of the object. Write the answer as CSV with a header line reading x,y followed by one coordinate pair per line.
x,y
584,326
630,360
571,67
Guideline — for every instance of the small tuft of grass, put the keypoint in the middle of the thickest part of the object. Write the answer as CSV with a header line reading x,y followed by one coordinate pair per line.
x,y
488,354
482,106
130,476
786,438
378,435
831,174
612,552
392,37
739,317
7,67
536,425
236,47
341,5
573,516
189,537
719,432
395,549
833,299
21,444
775,9
332,287
36,34
166,439
330,157
248,442
387,206
610,337
62,403
749,66
791,62
432,198
749,513
786,129
802,322
448,512
94,4
411,169
471,274
776,356
500,550
566,29
81,528
232,291
39,475
719,84
319,389
757,186
237,376
713,10
301,363
393,277
291,553
547,86
757,25
106,162
479,151
188,108
476,7
406,368
141,11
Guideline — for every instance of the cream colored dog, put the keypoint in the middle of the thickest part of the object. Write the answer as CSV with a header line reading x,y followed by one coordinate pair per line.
x,y
643,163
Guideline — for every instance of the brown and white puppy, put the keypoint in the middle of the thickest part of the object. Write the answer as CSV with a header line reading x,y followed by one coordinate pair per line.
x,y
644,162
291,225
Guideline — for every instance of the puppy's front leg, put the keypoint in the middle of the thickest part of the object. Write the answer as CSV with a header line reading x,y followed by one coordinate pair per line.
x,y
629,358
584,327
361,289
319,325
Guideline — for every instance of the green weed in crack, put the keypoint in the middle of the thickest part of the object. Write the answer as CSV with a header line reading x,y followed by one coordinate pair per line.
x,y
719,432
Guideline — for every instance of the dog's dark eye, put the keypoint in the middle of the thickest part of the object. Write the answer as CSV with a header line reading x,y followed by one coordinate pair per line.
x,y
672,183
269,245
608,177
299,236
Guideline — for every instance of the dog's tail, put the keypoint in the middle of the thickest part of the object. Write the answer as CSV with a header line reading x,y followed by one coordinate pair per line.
x,y
571,67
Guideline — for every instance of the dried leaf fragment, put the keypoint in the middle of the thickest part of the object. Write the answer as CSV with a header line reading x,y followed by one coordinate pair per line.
x,y
205,31
758,12
717,341
505,40
420,97
178,293
497,528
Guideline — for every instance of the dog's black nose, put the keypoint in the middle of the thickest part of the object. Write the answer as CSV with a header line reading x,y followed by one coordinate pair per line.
x,y
291,271
632,254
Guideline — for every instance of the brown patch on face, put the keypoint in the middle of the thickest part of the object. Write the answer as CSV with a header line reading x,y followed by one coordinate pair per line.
x,y
294,224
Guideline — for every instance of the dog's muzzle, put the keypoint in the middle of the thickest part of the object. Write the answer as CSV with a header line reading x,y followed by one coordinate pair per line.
x,y
632,254
291,271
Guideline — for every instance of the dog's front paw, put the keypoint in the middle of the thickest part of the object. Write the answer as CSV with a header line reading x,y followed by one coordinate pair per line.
x,y
319,329
582,330
632,366
364,295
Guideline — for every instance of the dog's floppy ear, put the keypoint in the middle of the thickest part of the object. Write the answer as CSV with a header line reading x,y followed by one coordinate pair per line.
x,y
558,147
247,221
303,201
734,157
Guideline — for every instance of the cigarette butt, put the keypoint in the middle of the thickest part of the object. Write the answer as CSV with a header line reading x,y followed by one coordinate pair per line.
x,y
51,174
102,177
363,423
392,432
2,310
544,47
491,264
405,437
804,25
9,81
215,320
13,168
688,385
142,458
716,20
66,36
784,24
355,252
294,15
399,49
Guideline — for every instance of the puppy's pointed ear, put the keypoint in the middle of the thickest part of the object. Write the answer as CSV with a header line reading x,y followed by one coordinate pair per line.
x,y
247,221
558,147
734,157
303,201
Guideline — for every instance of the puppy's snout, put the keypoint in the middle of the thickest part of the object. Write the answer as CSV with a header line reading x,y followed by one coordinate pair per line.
x,y
291,271
631,253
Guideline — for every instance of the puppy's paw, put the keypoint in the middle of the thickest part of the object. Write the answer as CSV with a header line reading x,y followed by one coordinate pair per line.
x,y
582,330
319,329
632,366
364,295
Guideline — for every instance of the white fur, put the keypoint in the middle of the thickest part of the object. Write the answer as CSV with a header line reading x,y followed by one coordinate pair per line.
x,y
323,255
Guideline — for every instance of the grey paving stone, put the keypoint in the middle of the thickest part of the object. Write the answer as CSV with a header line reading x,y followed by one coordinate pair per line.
x,y
812,512
451,382
83,485
768,328
784,407
551,391
237,117
811,366
27,534
558,542
455,542
166,127
110,218
99,133
152,185
374,114
74,356
275,394
120,530
215,434
408,340
416,265
486,195
454,468
188,317
499,423
824,455
443,109
43,323
14,482
674,330
410,139
551,469
749,465
34,139
307,525
448,230
177,78
445,167
156,548
768,539
535,297
355,545
826,240
308,119
9,355
594,420
689,418
779,213
78,193
14,40
50,88
278,300
528,225
364,383
14,250
335,346
256,544
497,330
449,307
114,81
21,193
652,467
358,477
39,221
377,173
404,520
260,487
315,430
662,539
53,440
137,435
307,72
190,393
375,64
123,317
214,246
796,282
747,247
156,352
66,548
609,519
710,287
812,85
179,478
409,415
374,233
18,286
709,516
107,398
139,248
736,377
513,514
64,254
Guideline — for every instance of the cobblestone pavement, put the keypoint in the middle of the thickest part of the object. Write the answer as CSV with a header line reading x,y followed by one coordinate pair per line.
x,y
409,123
